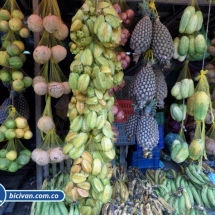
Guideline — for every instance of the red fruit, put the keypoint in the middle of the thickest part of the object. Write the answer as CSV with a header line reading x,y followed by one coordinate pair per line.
x,y
128,59
127,21
124,64
117,8
130,14
118,57
123,16
123,55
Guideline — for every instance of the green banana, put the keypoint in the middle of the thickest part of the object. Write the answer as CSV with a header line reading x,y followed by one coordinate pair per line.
x,y
205,196
195,173
192,177
196,196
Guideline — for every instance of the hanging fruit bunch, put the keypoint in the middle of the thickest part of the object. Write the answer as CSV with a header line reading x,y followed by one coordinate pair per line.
x,y
12,49
191,43
50,150
124,12
124,59
50,50
95,32
14,155
148,88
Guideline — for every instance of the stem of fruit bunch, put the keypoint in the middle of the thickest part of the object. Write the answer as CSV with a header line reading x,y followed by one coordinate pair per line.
x,y
206,34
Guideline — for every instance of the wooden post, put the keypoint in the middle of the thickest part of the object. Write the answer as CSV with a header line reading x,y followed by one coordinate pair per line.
x,y
38,108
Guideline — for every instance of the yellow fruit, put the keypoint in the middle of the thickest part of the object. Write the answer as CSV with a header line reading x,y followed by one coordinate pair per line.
x,y
20,44
11,155
19,133
28,135
21,122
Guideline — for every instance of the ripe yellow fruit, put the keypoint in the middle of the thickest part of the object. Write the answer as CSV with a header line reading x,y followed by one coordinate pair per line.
x,y
28,135
11,155
19,133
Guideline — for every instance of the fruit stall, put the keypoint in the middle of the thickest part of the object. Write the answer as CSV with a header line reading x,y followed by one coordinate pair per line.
x,y
112,102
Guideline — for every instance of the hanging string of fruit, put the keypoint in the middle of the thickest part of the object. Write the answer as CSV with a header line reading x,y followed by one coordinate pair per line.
x,y
50,50
95,32
149,88
15,127
12,47
191,42
51,81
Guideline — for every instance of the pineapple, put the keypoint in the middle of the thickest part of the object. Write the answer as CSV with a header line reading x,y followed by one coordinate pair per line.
x,y
131,125
162,43
147,130
161,87
142,34
144,86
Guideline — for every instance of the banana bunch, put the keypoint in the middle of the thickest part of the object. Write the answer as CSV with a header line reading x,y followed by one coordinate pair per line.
x,y
66,207
178,112
183,89
141,200
179,151
120,191
100,20
119,173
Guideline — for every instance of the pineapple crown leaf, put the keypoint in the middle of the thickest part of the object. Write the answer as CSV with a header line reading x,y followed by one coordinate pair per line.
x,y
150,109
144,9
154,16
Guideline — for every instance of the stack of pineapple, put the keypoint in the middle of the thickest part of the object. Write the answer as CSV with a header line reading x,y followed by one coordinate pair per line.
x,y
95,31
149,86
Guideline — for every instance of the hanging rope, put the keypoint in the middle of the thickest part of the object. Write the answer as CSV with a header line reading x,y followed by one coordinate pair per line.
x,y
206,35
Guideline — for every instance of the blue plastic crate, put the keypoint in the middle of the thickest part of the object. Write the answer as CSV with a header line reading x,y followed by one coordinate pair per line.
x,y
122,139
160,142
161,136
135,158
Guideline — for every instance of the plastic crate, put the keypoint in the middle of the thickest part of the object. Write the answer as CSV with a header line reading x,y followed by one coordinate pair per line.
x,y
160,142
135,155
135,158
124,93
159,116
122,139
126,106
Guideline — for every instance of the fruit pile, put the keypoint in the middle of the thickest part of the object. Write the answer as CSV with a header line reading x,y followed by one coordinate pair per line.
x,y
135,196
94,71
191,44
184,191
